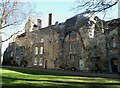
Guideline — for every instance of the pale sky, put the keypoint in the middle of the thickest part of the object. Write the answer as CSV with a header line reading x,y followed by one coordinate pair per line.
x,y
60,9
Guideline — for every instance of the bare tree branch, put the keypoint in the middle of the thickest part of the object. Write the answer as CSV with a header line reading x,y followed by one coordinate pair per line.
x,y
7,25
96,6
12,14
10,37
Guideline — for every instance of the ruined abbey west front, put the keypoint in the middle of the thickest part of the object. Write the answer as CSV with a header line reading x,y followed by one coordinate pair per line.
x,y
83,42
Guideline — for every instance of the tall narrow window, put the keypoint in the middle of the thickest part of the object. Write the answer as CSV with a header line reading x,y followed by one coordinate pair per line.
x,y
114,42
35,61
40,61
22,53
11,54
41,50
70,47
36,50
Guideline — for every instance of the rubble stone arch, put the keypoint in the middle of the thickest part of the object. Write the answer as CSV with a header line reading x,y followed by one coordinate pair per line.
x,y
78,55
73,30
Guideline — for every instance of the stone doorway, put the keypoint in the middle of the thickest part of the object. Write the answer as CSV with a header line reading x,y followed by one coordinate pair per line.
x,y
81,64
114,65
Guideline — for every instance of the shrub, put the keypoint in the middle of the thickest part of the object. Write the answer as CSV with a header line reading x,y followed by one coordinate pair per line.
x,y
94,69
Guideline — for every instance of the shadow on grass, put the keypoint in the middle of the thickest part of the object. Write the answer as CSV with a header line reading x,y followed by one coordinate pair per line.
x,y
8,82
55,86
36,71
60,84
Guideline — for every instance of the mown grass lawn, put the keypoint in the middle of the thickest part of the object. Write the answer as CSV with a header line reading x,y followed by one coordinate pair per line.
x,y
21,78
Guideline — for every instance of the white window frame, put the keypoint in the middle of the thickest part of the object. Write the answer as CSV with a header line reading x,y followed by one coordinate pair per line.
x,y
11,54
35,61
41,40
40,61
41,50
36,50
91,33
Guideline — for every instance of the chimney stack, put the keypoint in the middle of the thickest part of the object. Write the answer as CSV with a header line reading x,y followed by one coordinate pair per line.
x,y
50,19
39,23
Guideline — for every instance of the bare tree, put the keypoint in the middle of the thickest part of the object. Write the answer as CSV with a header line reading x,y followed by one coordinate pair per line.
x,y
8,13
12,13
93,6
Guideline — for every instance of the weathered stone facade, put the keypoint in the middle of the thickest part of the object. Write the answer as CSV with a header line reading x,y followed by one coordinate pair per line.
x,y
80,43
113,45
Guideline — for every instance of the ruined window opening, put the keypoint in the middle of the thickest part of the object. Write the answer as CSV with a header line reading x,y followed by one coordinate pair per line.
x,y
67,38
22,53
91,33
31,42
36,50
96,18
97,58
60,39
35,61
72,35
115,61
114,64
95,46
41,40
114,43
72,57
103,31
112,37
90,23
11,54
35,25
41,50
36,36
50,41
40,61
70,47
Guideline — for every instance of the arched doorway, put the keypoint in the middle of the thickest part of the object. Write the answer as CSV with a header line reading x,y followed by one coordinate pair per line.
x,y
114,65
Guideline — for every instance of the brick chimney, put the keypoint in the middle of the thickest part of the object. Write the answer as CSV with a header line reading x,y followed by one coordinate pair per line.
x,y
50,19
